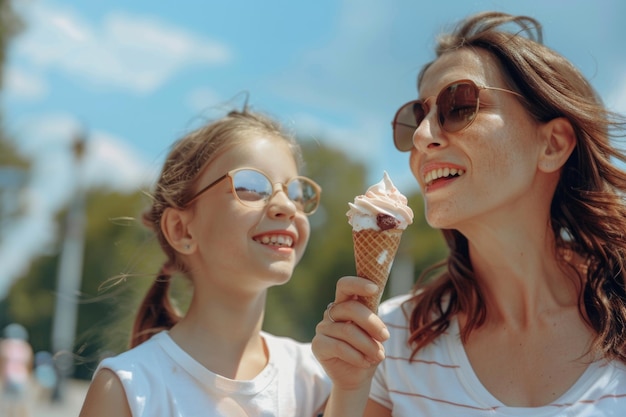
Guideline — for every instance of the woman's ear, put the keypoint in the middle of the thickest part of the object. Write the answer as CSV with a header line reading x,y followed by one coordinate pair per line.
x,y
174,224
559,142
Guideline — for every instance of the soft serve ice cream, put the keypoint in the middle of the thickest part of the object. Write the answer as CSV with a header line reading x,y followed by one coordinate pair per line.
x,y
378,219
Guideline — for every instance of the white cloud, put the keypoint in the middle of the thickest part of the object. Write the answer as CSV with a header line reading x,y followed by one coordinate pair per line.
x,y
357,141
23,84
125,51
124,168
200,99
363,143
616,98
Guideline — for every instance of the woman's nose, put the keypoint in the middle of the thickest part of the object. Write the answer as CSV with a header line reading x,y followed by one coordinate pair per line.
x,y
428,134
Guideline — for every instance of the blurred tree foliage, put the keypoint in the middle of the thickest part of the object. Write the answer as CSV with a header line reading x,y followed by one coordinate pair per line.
x,y
122,257
295,309
10,25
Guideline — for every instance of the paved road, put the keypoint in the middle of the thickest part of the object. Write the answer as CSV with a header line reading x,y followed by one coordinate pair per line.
x,y
74,395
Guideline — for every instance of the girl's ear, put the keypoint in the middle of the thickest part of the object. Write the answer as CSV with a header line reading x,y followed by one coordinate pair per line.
x,y
174,224
559,142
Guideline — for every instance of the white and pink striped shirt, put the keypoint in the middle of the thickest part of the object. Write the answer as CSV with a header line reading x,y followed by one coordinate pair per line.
x,y
441,382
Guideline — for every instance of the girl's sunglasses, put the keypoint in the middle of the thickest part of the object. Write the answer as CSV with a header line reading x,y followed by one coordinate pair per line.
x,y
254,189
457,106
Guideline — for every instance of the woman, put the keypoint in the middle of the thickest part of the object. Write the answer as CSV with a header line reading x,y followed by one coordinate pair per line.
x,y
235,222
527,316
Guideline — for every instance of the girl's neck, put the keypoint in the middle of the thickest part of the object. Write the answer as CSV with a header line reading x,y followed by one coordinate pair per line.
x,y
224,337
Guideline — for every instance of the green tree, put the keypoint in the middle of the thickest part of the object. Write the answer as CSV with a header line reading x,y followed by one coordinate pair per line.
x,y
10,25
122,258
11,163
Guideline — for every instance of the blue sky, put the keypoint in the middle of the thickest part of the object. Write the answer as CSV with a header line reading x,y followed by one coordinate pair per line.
x,y
137,75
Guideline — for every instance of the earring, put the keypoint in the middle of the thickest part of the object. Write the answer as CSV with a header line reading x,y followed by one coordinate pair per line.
x,y
187,246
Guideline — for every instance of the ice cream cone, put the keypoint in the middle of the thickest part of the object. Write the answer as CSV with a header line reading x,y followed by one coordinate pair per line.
x,y
374,252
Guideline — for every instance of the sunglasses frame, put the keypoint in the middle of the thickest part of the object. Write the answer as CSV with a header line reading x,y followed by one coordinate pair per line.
x,y
477,88
230,174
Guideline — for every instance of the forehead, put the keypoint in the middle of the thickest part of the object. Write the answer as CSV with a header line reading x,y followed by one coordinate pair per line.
x,y
259,151
477,65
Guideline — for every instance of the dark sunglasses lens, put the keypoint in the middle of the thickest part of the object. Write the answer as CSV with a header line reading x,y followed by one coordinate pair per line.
x,y
406,121
457,106
303,194
251,186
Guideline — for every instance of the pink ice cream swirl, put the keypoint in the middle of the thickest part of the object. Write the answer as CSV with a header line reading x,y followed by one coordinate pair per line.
x,y
382,207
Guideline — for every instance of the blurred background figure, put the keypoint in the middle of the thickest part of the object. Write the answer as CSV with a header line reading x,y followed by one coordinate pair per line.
x,y
46,377
16,364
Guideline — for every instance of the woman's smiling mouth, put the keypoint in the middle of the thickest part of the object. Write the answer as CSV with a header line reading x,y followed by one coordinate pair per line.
x,y
438,173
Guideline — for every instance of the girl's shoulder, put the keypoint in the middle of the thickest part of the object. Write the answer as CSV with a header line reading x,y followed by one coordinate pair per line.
x,y
284,345
295,360
147,357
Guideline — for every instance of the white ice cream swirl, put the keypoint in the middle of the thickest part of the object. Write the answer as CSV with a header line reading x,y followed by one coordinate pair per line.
x,y
381,202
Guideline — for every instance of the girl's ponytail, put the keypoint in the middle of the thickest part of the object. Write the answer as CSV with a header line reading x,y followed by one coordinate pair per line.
x,y
156,312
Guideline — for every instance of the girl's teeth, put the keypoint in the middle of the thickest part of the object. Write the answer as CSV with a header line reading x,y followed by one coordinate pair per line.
x,y
278,240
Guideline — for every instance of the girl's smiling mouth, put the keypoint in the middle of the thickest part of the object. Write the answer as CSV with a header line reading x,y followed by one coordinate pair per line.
x,y
275,239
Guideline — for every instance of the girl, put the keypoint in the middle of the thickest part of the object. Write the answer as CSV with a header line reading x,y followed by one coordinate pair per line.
x,y
229,211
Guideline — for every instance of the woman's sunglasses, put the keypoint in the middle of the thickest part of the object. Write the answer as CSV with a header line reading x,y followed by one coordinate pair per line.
x,y
457,106
254,189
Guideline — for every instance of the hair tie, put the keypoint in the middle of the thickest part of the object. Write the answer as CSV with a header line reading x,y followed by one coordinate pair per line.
x,y
167,270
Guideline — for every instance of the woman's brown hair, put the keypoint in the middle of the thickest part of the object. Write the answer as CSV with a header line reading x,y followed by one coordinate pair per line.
x,y
588,210
175,187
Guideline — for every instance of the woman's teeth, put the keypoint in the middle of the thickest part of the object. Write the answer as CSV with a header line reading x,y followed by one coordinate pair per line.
x,y
442,173
276,240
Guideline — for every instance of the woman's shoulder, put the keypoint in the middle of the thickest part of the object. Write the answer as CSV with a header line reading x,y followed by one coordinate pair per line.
x,y
616,369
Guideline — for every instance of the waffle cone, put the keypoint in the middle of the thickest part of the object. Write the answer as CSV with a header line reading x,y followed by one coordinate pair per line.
x,y
374,252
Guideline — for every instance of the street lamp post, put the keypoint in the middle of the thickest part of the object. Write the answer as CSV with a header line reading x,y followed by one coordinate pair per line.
x,y
69,275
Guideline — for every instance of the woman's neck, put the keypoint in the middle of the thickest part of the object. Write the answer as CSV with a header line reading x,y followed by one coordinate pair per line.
x,y
522,278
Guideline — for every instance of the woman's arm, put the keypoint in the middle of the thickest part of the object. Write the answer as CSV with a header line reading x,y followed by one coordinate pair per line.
x,y
105,397
353,404
349,347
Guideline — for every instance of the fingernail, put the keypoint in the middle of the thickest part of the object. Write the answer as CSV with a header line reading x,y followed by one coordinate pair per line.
x,y
384,334
371,288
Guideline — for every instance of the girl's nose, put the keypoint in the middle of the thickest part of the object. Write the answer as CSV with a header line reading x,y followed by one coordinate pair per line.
x,y
279,203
